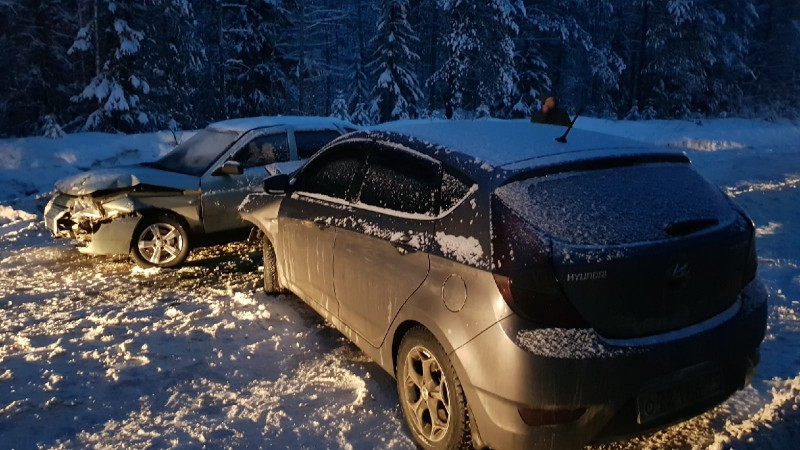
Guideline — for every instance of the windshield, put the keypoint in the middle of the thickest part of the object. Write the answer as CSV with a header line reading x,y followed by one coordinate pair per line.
x,y
196,155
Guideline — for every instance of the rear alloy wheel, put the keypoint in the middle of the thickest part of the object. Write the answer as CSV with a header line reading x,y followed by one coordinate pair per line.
x,y
430,394
160,241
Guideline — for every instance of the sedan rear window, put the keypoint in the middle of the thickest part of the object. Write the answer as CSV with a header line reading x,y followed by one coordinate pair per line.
x,y
618,205
309,142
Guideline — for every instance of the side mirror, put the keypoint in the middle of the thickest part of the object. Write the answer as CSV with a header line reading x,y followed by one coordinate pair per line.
x,y
278,184
229,168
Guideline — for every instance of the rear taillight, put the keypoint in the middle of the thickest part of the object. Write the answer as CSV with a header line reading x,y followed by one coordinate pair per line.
x,y
523,271
543,308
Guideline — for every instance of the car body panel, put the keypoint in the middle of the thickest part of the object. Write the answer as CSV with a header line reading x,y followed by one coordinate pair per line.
x,y
587,371
220,192
365,252
120,178
85,203
307,248
113,238
505,362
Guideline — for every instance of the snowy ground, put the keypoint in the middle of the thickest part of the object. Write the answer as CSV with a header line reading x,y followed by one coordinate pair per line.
x,y
97,353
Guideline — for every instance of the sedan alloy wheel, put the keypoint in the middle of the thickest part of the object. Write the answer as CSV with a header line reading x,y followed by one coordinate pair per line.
x,y
161,242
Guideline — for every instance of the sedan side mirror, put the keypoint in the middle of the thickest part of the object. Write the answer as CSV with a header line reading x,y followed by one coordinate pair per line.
x,y
278,184
229,168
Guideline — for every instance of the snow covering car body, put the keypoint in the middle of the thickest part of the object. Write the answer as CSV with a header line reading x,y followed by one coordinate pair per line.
x,y
156,211
525,293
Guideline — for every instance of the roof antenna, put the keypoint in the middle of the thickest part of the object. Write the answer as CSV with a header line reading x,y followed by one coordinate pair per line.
x,y
563,138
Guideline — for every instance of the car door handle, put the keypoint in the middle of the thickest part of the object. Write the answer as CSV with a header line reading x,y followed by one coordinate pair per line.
x,y
321,224
401,243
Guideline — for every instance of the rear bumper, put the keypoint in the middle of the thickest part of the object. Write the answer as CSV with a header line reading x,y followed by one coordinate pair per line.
x,y
511,367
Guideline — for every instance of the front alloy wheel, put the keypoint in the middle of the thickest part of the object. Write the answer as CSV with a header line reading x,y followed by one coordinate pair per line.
x,y
430,394
160,242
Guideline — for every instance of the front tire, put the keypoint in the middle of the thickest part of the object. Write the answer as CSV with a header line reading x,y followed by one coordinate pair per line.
x,y
271,284
160,241
430,393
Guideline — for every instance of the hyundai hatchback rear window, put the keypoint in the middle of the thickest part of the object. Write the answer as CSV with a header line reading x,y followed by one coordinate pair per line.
x,y
618,205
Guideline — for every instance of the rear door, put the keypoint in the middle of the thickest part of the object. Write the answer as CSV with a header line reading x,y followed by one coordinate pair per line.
x,y
381,253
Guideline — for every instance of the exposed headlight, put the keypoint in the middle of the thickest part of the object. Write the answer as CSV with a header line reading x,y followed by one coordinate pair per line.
x,y
85,208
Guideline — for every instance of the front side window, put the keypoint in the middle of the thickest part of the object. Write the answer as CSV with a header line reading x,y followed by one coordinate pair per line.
x,y
401,181
263,150
309,142
337,173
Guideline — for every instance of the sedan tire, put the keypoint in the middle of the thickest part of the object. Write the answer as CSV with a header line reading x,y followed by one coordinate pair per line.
x,y
160,241
430,393
271,284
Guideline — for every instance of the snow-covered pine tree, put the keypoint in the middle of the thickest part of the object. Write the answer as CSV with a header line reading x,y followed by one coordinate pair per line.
x,y
358,86
175,59
775,58
36,72
480,66
565,47
339,107
431,24
396,91
255,69
111,40
690,55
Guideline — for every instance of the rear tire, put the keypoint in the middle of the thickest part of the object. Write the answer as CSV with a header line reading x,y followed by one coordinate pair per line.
x,y
271,285
160,241
430,393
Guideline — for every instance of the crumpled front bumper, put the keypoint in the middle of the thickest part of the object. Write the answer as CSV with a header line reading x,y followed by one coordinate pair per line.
x,y
110,236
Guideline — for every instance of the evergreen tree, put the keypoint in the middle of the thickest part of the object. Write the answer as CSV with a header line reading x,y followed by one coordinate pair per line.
x,y
339,107
36,70
113,37
359,81
396,92
255,80
480,66
175,59
774,91
566,48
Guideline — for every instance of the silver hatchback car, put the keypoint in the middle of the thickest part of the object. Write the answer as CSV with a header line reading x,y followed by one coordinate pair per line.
x,y
158,211
524,292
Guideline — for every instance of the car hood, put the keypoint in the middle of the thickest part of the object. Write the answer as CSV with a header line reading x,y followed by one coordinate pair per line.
x,y
120,178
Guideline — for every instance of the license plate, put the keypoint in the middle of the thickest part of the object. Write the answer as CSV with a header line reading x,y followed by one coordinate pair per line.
x,y
684,392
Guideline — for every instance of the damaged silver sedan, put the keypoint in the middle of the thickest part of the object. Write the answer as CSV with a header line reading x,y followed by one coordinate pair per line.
x,y
158,211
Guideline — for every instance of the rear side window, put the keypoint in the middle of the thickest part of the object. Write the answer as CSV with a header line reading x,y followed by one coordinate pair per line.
x,y
617,205
401,182
454,189
309,142
337,173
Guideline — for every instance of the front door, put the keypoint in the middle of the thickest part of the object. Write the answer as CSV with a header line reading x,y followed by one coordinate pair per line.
x,y
310,217
222,194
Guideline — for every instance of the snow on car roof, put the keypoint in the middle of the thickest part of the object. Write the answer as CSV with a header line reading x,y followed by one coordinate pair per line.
x,y
503,142
246,124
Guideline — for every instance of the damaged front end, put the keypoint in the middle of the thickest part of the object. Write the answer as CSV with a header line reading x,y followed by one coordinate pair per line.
x,y
101,224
